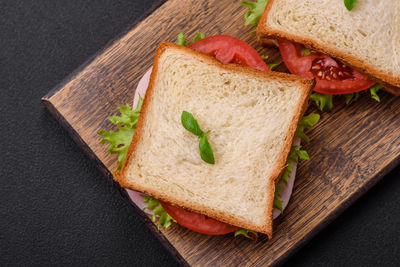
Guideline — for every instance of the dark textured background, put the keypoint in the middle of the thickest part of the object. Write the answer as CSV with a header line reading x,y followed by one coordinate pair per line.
x,y
57,209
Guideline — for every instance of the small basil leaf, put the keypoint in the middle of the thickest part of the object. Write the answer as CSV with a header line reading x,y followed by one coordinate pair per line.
x,y
206,152
190,124
350,4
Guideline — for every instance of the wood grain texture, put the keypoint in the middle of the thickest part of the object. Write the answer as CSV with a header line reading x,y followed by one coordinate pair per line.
x,y
351,149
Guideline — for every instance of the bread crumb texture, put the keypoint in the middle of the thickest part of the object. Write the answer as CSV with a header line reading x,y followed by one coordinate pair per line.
x,y
248,119
370,32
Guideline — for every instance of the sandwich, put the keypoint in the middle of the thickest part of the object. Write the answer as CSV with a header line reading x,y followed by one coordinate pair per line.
x,y
213,146
347,46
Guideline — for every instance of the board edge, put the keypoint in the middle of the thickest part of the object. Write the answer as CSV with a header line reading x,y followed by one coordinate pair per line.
x,y
46,100
338,211
103,169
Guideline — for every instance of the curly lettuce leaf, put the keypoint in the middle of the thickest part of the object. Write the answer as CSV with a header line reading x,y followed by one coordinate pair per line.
x,y
164,219
305,52
307,122
254,12
126,123
374,90
278,204
198,37
352,97
181,40
272,65
300,154
119,143
246,233
294,156
323,101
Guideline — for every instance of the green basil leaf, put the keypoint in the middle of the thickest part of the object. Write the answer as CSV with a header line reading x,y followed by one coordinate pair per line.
x,y
190,124
206,152
198,37
350,4
181,40
264,57
323,101
374,90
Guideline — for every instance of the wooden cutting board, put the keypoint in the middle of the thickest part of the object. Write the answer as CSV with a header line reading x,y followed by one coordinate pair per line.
x,y
352,147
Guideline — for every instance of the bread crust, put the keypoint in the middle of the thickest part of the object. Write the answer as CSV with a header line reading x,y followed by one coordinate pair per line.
x,y
305,84
373,74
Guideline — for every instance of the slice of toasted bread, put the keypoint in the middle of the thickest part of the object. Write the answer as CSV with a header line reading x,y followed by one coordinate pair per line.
x,y
366,38
252,117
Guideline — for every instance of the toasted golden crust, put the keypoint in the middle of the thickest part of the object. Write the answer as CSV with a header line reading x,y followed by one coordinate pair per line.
x,y
306,86
265,31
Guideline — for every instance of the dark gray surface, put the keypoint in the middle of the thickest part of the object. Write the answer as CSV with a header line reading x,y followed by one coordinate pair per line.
x,y
56,208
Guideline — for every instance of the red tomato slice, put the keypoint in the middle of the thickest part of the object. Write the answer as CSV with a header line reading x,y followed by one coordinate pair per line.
x,y
198,222
228,49
332,76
